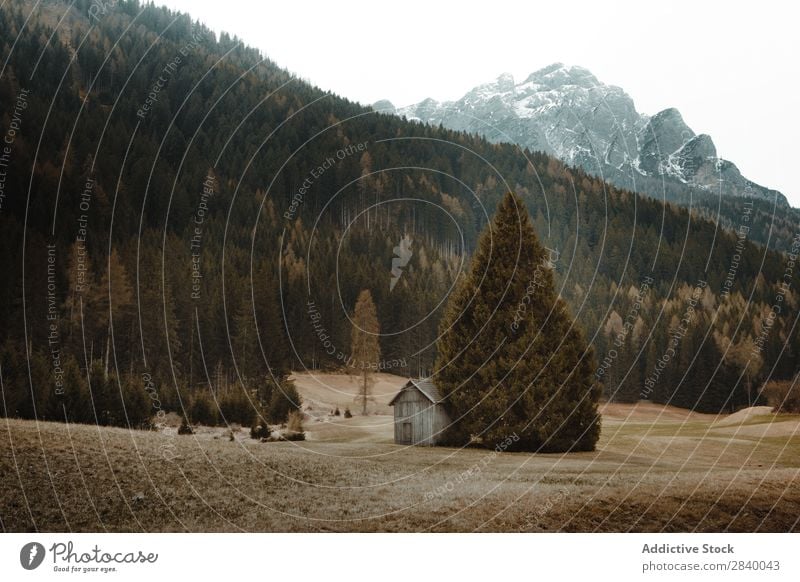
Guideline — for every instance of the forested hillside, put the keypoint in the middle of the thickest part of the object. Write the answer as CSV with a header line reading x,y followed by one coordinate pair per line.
x,y
569,113
182,218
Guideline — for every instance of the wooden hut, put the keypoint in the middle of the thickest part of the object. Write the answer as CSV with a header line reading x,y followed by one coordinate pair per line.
x,y
419,415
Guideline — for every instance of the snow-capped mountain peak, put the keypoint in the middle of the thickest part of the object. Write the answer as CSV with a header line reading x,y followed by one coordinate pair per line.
x,y
564,110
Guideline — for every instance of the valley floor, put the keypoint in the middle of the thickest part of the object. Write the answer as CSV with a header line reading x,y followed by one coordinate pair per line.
x,y
656,469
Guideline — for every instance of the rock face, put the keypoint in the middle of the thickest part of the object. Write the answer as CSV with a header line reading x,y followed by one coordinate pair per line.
x,y
565,111
384,106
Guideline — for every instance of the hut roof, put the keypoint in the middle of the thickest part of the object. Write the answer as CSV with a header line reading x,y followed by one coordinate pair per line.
x,y
424,385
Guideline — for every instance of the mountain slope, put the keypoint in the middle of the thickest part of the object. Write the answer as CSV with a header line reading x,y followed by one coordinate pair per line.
x,y
565,111
181,209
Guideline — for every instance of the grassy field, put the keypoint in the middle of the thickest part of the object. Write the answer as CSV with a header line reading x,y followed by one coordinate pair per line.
x,y
656,469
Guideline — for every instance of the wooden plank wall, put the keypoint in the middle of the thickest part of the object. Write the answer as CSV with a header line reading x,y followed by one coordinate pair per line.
x,y
425,418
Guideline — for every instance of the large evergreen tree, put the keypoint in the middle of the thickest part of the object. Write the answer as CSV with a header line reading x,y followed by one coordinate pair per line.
x,y
510,360
137,186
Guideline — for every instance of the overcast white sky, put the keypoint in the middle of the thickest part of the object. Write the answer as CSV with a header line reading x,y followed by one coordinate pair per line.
x,y
731,68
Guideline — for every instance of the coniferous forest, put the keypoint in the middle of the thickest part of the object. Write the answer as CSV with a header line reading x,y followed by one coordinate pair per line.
x,y
185,223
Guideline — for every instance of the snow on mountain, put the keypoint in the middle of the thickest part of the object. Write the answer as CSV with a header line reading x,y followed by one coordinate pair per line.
x,y
565,111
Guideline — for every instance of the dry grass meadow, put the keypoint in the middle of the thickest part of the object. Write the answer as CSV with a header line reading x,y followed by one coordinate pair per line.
x,y
655,469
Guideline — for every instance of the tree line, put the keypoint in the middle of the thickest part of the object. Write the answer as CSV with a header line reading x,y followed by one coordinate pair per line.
x,y
210,247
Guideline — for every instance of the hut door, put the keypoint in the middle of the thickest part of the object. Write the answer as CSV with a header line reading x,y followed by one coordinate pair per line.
x,y
407,432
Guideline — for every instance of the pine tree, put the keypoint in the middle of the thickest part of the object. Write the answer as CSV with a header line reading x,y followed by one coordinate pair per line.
x,y
510,361
285,399
365,350
112,302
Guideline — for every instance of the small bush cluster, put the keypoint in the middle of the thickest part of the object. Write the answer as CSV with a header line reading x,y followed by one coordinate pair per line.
x,y
185,427
127,400
295,422
260,430
783,396
286,436
283,401
104,398
293,430
272,404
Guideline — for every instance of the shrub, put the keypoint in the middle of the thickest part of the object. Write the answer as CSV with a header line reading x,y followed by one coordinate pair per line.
x,y
336,412
783,396
76,400
260,430
203,410
295,422
136,404
16,399
99,389
117,401
185,427
284,400
347,413
235,406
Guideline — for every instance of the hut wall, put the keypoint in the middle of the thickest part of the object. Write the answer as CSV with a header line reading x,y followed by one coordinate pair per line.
x,y
425,418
